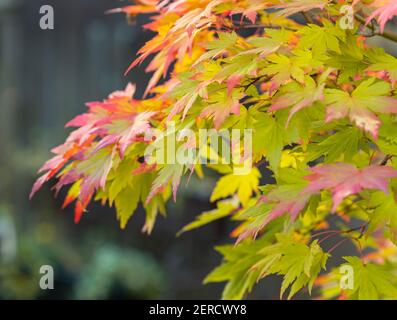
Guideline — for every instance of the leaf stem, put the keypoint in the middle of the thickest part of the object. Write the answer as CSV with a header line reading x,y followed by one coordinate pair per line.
x,y
338,244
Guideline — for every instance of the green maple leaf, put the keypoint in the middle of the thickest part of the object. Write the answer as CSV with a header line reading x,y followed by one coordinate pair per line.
x,y
284,68
268,139
126,203
387,141
342,145
371,281
322,38
350,62
297,263
236,268
224,208
243,185
384,214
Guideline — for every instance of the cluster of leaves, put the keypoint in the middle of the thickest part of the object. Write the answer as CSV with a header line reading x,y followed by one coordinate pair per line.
x,y
321,104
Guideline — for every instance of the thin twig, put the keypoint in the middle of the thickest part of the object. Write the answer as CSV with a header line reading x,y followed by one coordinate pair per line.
x,y
307,17
386,160
338,244
264,26
327,237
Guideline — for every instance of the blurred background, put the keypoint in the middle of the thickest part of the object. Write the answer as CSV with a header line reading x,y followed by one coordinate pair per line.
x,y
45,79
46,76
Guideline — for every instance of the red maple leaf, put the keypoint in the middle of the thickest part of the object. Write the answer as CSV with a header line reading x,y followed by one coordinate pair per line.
x,y
344,179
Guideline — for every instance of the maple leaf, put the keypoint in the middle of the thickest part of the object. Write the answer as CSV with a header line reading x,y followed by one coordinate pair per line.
x,y
269,139
140,125
344,179
381,61
248,262
384,214
236,268
171,172
296,6
342,143
283,69
298,96
360,106
287,198
224,208
223,105
322,38
243,185
89,151
299,265
370,281
384,14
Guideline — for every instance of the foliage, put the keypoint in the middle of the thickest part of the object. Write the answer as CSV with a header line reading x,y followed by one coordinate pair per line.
x,y
321,103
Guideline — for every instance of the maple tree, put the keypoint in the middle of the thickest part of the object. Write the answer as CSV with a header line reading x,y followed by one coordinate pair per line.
x,y
321,103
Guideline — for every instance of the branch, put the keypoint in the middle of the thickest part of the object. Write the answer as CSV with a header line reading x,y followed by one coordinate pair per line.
x,y
386,34
386,160
307,17
264,26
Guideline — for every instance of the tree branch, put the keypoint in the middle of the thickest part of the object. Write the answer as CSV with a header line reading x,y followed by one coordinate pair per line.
x,y
264,26
386,34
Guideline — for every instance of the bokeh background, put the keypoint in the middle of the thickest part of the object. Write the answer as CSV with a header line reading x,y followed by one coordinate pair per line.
x,y
45,79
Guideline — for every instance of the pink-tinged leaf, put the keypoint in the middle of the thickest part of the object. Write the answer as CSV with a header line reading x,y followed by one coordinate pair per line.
x,y
79,121
71,176
298,96
293,206
94,171
384,14
220,110
251,15
88,153
144,168
296,6
344,179
232,82
362,105
185,104
38,184
129,92
140,125
341,179
171,172
365,120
